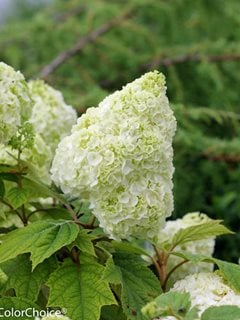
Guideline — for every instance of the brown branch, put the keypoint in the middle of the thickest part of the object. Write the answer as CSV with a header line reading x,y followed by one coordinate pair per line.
x,y
171,272
62,17
156,264
72,212
161,261
222,157
166,62
81,43
16,211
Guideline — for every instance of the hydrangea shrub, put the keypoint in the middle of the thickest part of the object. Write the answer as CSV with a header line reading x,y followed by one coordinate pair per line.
x,y
73,240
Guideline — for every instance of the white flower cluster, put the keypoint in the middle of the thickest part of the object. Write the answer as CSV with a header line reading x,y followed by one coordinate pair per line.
x,y
207,290
51,117
15,102
119,157
44,107
204,247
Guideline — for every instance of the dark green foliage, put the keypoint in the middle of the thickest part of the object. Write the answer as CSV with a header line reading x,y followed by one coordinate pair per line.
x,y
194,43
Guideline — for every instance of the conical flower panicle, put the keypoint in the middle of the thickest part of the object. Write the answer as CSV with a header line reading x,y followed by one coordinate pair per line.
x,y
119,157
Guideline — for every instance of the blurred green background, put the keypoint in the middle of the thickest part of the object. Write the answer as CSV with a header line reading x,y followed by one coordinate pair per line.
x,y
194,43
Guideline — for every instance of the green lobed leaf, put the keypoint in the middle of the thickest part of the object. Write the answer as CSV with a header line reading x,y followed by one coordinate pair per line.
x,y
221,313
23,280
41,239
9,176
139,284
9,303
129,248
170,304
50,213
17,197
198,232
40,190
80,289
84,242
194,258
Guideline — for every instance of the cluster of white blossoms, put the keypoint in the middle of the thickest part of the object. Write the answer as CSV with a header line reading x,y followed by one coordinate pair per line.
x,y
15,102
206,290
119,158
42,106
51,117
204,247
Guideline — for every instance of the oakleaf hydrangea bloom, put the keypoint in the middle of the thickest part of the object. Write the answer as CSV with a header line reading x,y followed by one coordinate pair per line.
x,y
204,247
51,117
119,157
15,102
206,290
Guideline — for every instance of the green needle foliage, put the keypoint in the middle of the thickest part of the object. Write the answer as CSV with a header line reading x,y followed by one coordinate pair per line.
x,y
194,43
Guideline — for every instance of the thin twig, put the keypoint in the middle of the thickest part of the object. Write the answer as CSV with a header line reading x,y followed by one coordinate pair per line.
x,y
90,225
156,264
62,17
166,62
81,43
11,207
222,157
35,211
72,212
171,272
162,263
